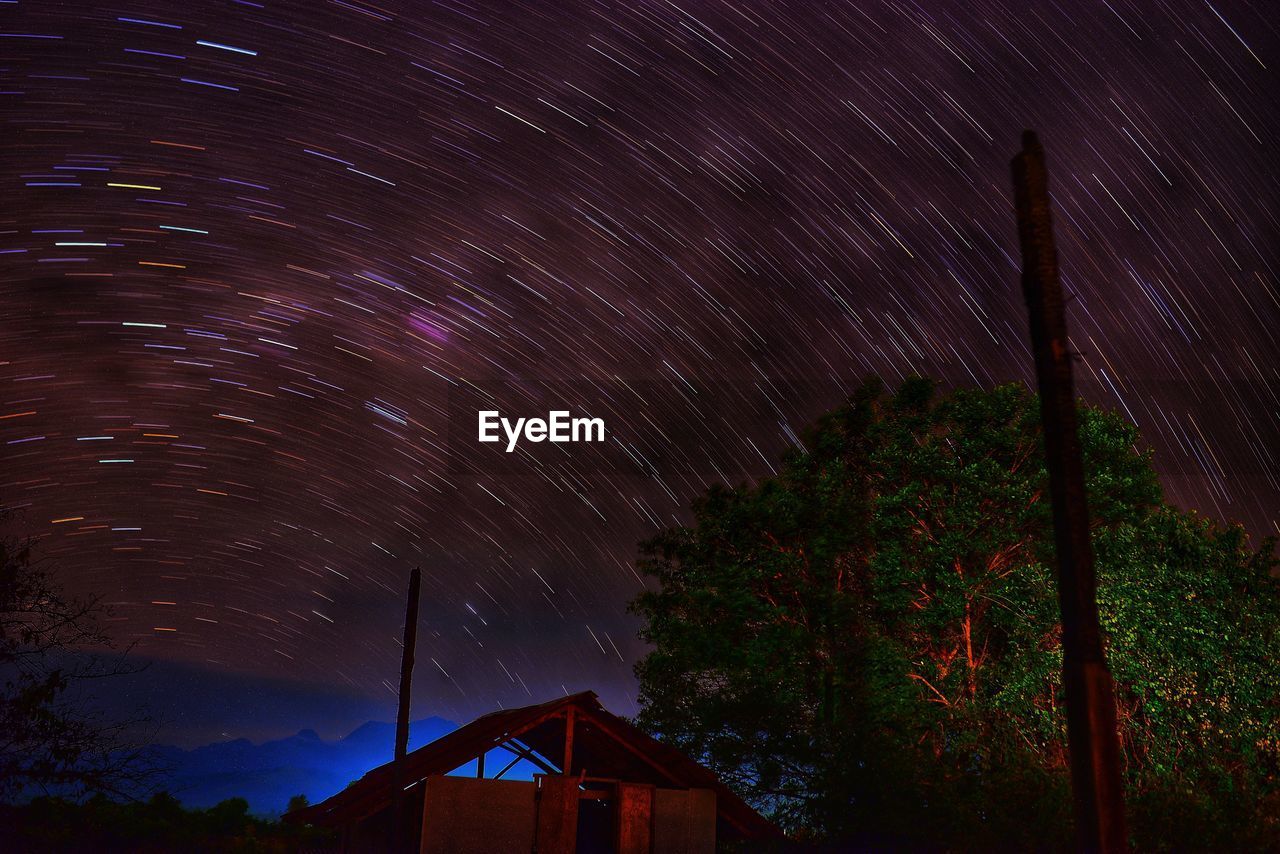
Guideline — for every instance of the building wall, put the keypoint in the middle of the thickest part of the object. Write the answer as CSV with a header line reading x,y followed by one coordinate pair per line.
x,y
465,815
635,818
684,821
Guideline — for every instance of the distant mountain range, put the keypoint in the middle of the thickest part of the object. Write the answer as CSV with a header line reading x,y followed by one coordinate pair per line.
x,y
267,775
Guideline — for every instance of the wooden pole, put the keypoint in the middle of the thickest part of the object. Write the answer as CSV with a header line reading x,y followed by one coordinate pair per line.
x,y
402,712
1092,735
406,663
567,765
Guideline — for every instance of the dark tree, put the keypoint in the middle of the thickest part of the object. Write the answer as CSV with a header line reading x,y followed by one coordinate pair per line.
x,y
52,648
158,825
868,643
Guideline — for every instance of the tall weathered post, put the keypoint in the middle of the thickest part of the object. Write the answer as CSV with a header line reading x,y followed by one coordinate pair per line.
x,y
1092,734
406,663
402,713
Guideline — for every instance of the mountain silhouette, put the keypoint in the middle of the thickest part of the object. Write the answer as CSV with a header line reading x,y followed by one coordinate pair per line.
x,y
267,775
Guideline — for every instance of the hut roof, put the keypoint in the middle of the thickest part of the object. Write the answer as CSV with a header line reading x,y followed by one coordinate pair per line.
x,y
605,746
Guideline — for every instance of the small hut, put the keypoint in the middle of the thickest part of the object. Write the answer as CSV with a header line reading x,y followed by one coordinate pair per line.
x,y
601,785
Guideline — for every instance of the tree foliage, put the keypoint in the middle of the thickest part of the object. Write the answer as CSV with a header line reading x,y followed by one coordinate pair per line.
x,y
868,643
159,824
51,645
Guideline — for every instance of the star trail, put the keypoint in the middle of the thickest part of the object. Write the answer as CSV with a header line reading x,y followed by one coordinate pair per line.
x,y
263,262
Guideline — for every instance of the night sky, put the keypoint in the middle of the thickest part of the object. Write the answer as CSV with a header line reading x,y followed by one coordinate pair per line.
x,y
261,263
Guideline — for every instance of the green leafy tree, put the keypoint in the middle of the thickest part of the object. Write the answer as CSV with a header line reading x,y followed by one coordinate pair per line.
x,y
868,643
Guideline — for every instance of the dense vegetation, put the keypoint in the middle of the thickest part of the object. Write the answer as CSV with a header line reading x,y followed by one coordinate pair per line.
x,y
866,646
48,825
